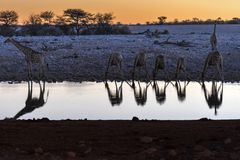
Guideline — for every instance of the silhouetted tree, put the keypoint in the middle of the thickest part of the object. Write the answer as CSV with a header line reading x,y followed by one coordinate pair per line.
x,y
175,21
8,17
234,20
162,19
104,18
76,17
60,20
219,20
34,19
104,22
47,16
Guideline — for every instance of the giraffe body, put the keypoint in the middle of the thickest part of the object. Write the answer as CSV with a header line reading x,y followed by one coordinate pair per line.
x,y
115,60
140,61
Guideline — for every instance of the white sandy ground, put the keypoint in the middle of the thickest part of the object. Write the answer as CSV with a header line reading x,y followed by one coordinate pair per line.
x,y
84,58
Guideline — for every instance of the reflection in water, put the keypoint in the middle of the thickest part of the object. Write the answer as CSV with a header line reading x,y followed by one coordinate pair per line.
x,y
31,102
75,101
181,90
140,91
214,98
160,92
116,96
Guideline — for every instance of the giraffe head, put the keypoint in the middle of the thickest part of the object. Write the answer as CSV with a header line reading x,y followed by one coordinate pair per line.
x,y
8,40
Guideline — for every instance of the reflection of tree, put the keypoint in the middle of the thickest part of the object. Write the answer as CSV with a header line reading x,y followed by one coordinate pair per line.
x,y
181,90
31,102
160,93
215,96
115,97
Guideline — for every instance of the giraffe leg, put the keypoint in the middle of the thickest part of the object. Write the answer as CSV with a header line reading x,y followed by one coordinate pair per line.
x,y
219,72
120,70
221,67
167,76
28,68
146,72
106,73
205,68
41,71
30,71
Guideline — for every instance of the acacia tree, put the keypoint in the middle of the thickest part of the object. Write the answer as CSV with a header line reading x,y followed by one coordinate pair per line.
x,y
104,18
34,19
162,19
8,17
47,16
104,22
76,17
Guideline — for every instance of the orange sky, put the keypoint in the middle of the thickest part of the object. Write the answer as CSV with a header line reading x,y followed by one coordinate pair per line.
x,y
131,11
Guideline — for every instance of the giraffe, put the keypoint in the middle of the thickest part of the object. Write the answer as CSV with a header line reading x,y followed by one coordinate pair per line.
x,y
31,57
115,59
160,93
140,61
159,65
213,39
181,67
214,59
117,96
31,102
213,98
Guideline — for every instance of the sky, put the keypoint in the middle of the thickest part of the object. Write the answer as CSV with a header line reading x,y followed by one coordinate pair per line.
x,y
131,11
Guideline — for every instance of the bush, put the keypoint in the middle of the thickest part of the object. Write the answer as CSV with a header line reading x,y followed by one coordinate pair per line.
x,y
40,30
50,31
122,29
107,29
31,30
7,31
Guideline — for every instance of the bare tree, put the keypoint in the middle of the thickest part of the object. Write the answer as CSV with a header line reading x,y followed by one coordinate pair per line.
x,y
47,16
8,17
77,18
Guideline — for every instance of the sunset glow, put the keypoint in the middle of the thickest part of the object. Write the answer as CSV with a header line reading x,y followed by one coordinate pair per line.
x,y
131,11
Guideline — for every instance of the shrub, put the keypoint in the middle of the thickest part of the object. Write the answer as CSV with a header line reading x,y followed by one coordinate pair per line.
x,y
121,29
50,31
7,31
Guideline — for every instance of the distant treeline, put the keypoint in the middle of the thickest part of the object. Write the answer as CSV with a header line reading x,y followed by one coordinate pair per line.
x,y
80,22
71,22
163,20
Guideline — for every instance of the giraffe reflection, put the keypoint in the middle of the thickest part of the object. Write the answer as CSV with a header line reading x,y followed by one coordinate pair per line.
x,y
160,93
116,96
140,92
181,88
214,98
31,102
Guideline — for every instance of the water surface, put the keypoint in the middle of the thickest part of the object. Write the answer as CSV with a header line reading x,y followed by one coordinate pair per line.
x,y
98,101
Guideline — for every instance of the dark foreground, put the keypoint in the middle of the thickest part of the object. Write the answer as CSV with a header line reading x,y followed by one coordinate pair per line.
x,y
107,140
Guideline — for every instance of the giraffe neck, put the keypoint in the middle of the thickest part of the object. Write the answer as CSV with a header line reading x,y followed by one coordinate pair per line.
x,y
214,31
19,46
